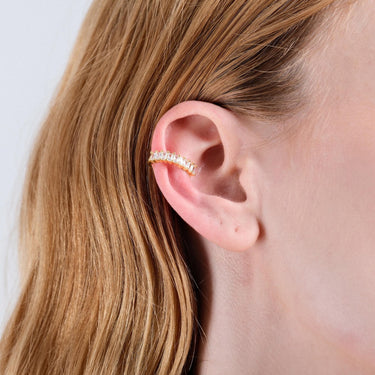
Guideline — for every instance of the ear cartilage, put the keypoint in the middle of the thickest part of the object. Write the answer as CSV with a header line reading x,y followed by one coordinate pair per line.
x,y
171,158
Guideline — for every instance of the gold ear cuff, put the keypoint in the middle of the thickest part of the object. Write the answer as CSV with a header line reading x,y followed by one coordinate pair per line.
x,y
171,158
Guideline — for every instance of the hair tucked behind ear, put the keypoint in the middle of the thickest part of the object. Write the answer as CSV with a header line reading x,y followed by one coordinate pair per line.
x,y
105,285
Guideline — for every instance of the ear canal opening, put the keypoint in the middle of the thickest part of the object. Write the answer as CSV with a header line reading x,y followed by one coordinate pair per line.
x,y
213,157
227,187
230,188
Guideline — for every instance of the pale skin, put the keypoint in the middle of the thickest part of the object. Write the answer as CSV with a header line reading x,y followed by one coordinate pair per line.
x,y
282,233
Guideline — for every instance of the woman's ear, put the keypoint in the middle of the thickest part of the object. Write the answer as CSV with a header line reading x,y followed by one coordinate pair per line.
x,y
221,202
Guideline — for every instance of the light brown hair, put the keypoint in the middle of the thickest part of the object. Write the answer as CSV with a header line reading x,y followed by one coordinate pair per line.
x,y
106,287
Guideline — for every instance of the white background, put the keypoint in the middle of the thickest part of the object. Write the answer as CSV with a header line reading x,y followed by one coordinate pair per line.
x,y
36,38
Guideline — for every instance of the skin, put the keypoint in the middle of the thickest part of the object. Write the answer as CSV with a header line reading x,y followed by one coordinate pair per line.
x,y
282,232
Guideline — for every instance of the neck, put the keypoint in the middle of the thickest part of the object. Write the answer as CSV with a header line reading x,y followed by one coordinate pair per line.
x,y
248,330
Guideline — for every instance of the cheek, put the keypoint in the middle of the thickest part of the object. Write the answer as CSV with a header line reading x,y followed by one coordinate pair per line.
x,y
322,219
323,229
345,178
339,227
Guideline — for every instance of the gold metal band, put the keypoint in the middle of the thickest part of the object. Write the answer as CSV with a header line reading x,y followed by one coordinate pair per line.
x,y
171,158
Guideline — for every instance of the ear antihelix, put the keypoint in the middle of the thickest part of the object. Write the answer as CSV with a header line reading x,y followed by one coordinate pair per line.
x,y
172,158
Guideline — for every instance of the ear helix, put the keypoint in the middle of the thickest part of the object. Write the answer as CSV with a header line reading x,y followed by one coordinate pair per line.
x,y
171,158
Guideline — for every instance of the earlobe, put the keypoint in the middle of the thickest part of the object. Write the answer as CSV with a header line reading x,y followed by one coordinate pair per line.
x,y
195,156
